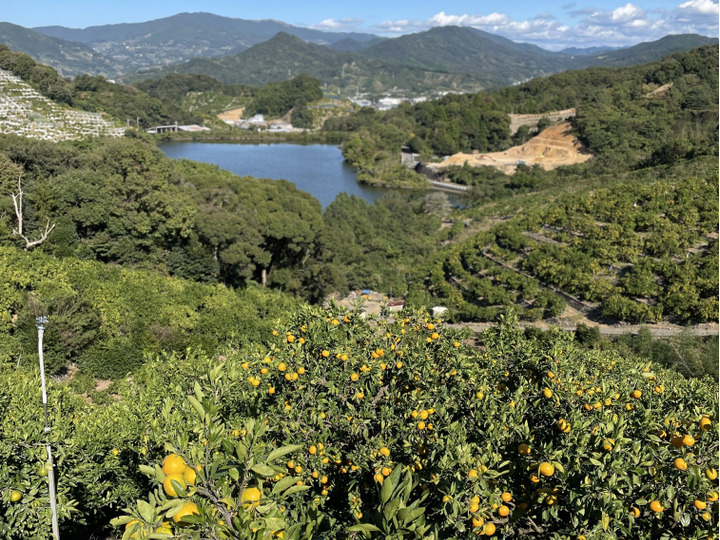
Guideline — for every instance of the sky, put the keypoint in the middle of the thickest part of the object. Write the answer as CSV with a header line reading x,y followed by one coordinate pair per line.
x,y
552,24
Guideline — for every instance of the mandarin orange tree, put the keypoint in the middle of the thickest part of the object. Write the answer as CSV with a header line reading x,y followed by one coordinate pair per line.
x,y
339,426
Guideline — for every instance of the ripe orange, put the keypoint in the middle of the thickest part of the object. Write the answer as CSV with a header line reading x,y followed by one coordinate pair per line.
x,y
250,497
635,512
680,464
506,497
173,464
478,521
489,529
385,451
688,440
503,510
167,483
547,393
712,474
637,394
189,508
700,505
546,469
705,423
712,496
189,475
655,506
378,478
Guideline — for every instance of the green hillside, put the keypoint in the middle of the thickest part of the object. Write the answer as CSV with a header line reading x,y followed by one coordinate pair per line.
x,y
493,60
285,56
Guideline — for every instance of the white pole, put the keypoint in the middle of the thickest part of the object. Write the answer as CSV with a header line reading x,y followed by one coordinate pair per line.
x,y
40,323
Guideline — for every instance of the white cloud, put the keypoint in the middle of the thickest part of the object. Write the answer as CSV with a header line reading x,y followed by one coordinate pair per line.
x,y
701,7
338,25
624,25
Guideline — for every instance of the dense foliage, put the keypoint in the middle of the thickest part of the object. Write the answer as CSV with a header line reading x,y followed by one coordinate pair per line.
x,y
621,117
634,250
105,319
332,425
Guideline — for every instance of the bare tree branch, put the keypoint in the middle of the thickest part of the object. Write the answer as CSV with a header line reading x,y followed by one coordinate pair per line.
x,y
18,205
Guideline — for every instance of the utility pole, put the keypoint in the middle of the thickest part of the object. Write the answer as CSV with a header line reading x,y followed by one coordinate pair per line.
x,y
40,323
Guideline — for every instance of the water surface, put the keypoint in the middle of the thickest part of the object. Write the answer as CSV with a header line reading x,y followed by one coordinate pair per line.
x,y
318,169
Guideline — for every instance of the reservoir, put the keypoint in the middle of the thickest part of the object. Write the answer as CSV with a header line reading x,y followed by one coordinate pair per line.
x,y
318,169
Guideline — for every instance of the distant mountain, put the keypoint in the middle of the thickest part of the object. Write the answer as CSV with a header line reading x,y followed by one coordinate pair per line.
x,y
67,57
495,60
353,45
646,52
587,51
286,56
185,36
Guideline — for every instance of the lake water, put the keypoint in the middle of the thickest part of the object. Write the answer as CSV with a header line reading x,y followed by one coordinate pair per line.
x,y
318,169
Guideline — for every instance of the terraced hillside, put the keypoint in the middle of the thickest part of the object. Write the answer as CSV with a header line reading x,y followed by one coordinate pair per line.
x,y
26,112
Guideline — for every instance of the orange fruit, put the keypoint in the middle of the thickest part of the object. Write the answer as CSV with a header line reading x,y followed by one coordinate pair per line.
x,y
250,497
173,464
385,451
167,483
655,506
15,496
688,440
189,475
503,510
506,497
680,464
635,512
489,529
712,474
524,449
637,394
700,505
189,508
546,469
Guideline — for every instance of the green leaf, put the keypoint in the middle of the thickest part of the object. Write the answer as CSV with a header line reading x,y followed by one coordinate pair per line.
x,y
146,510
234,474
275,524
605,521
408,515
284,450
387,489
197,406
122,520
146,469
295,489
263,470
283,484
363,527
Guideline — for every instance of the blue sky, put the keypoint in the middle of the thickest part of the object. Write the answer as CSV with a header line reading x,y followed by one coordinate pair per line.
x,y
551,24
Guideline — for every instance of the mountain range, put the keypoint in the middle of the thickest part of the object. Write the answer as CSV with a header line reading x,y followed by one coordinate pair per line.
x,y
258,52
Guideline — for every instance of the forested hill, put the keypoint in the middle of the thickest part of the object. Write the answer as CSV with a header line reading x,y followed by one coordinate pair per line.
x,y
285,56
621,116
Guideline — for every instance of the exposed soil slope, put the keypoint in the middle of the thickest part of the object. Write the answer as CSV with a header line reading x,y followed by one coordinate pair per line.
x,y
552,148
